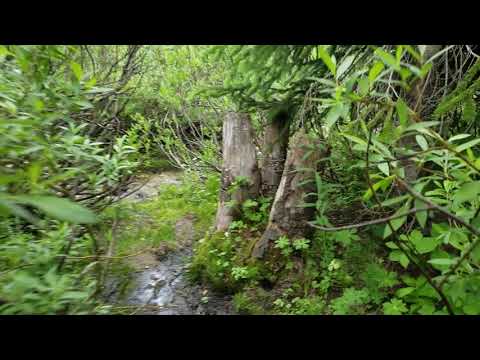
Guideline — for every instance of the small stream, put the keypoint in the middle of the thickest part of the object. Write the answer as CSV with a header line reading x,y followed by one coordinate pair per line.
x,y
161,287
165,286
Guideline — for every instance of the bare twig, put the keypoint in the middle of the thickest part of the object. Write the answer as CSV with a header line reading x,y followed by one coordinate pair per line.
x,y
368,223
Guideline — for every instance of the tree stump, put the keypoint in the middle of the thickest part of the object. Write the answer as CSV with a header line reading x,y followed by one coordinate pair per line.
x,y
275,143
239,160
288,216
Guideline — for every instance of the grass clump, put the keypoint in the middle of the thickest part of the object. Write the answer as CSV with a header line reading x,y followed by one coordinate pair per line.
x,y
151,223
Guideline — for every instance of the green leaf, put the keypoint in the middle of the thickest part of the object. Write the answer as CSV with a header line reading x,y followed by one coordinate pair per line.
x,y
458,137
77,70
384,183
394,307
467,145
59,208
384,168
333,115
422,125
442,261
387,58
422,244
468,191
422,142
421,216
9,207
90,83
399,256
363,86
355,139
404,291
402,111
428,308
394,200
346,63
375,71
391,245
322,52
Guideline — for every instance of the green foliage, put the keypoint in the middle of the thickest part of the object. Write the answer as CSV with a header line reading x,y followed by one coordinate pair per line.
x,y
76,122
394,307
351,302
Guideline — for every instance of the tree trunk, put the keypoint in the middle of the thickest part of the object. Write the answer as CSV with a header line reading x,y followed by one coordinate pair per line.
x,y
287,216
239,160
275,143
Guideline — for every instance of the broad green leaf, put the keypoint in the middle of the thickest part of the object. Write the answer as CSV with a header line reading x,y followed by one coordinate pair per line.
x,y
422,125
10,207
458,137
346,63
375,71
355,139
322,52
391,245
384,168
422,142
421,216
59,208
404,291
387,58
468,191
442,261
333,115
395,200
458,239
467,145
399,256
423,244
77,70
384,183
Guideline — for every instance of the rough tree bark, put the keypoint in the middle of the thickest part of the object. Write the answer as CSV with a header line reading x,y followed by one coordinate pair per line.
x,y
275,143
239,159
287,216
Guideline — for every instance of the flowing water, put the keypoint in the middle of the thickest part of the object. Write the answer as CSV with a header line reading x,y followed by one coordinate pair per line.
x,y
159,286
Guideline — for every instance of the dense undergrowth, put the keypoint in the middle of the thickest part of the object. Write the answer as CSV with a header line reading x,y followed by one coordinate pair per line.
x,y
396,195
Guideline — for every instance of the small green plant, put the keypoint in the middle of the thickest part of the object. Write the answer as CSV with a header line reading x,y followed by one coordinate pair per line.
x,y
352,301
377,281
301,244
394,307
283,243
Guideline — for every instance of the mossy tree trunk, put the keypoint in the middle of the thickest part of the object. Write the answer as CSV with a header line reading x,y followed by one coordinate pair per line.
x,y
288,217
239,160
